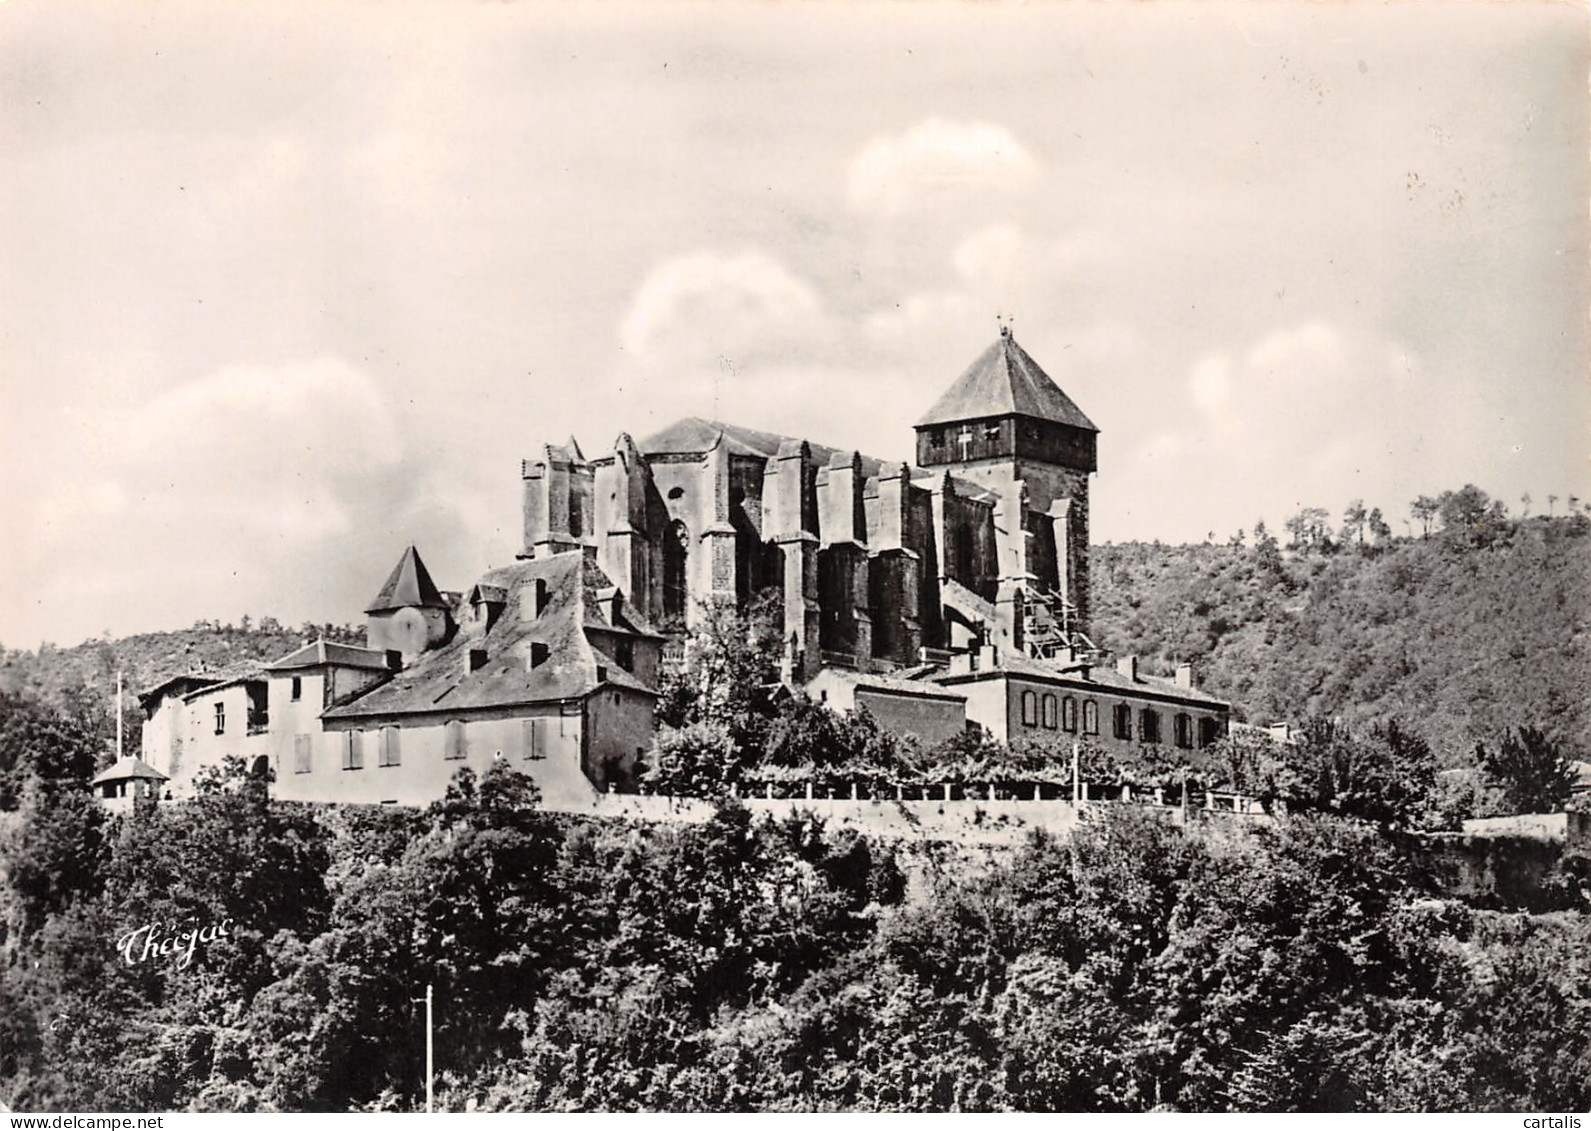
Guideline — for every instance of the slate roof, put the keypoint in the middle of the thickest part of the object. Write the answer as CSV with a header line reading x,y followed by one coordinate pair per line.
x,y
409,585
176,682
440,680
696,436
323,652
127,769
1098,676
1005,381
871,681
228,676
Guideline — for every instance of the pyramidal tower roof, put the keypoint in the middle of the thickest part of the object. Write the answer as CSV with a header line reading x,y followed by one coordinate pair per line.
x,y
408,586
1005,381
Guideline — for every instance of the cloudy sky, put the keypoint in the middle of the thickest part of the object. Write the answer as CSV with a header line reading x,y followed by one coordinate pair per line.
x,y
285,287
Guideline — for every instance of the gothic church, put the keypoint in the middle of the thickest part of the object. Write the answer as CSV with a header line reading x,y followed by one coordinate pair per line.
x,y
984,540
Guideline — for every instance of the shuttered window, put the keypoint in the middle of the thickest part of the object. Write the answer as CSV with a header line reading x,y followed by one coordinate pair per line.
x,y
535,738
391,748
1121,721
453,747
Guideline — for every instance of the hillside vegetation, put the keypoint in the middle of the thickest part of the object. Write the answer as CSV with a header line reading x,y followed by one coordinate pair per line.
x,y
56,674
1477,628
740,965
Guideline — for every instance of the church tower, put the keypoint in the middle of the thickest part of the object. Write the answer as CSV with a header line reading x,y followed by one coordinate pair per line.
x,y
1005,425
409,615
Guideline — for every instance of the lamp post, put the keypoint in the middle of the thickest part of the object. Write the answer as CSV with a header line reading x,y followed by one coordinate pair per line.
x,y
429,1074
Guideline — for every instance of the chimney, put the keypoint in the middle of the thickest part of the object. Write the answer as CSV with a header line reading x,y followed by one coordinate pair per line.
x,y
1185,676
961,663
1128,666
988,658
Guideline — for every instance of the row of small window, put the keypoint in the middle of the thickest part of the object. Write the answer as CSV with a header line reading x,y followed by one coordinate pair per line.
x,y
1041,711
389,748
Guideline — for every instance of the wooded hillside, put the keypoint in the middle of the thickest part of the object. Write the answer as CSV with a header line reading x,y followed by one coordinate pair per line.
x,y
1461,634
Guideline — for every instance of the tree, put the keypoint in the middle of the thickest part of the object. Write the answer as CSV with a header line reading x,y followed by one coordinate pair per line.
x,y
1310,530
1533,772
699,760
732,663
1424,510
1384,777
1354,517
1379,530
1470,517
1266,549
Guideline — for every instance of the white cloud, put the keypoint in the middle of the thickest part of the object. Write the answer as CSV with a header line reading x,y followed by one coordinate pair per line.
x,y
232,493
895,174
995,258
1211,382
1309,348
695,309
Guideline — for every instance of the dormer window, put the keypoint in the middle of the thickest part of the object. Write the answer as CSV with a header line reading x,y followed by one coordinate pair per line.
x,y
538,654
541,596
477,659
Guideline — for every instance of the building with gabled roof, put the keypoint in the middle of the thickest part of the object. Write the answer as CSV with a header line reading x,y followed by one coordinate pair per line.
x,y
543,663
948,592
704,511
978,548
119,785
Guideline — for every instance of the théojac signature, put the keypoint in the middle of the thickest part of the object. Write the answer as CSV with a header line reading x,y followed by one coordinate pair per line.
x,y
157,943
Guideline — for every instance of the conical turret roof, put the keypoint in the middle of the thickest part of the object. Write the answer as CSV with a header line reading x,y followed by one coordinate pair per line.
x,y
1005,381
409,586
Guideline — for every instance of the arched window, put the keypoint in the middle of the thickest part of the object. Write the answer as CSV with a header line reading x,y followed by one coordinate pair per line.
x,y
1030,709
1183,726
1069,715
1049,712
1148,725
1090,717
676,584
963,555
1121,721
